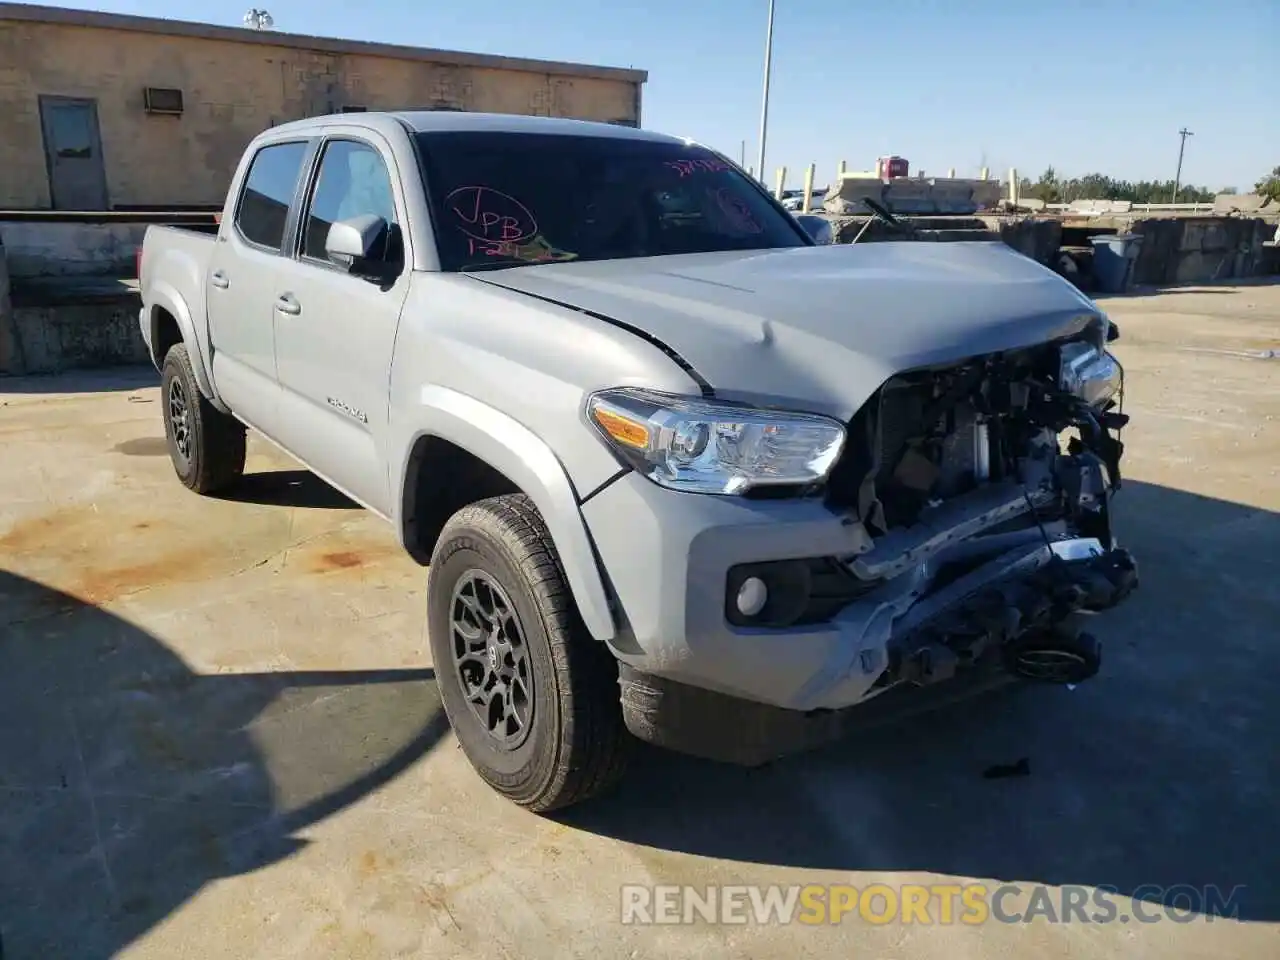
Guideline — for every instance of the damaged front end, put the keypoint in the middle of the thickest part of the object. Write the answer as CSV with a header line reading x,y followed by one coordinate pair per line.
x,y
986,488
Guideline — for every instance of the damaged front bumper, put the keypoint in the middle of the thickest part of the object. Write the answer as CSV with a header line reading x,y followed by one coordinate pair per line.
x,y
697,682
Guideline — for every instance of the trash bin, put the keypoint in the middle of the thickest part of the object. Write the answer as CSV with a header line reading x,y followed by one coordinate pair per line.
x,y
1113,259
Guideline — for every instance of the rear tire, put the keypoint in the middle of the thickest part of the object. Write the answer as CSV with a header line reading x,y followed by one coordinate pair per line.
x,y
503,628
206,446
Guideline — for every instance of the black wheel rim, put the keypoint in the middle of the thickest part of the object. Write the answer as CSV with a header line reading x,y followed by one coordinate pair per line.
x,y
491,657
180,419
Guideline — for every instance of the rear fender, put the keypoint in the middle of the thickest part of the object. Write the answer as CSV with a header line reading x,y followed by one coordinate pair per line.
x,y
166,297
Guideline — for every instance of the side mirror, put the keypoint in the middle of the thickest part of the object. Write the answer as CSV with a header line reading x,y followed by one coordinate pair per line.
x,y
818,228
358,243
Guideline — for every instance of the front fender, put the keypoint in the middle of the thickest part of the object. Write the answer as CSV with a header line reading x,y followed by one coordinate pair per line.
x,y
510,447
166,297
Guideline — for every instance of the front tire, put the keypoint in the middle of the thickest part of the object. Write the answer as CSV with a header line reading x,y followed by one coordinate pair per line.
x,y
531,696
206,446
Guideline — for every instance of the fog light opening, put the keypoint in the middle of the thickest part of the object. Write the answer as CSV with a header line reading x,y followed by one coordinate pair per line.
x,y
752,596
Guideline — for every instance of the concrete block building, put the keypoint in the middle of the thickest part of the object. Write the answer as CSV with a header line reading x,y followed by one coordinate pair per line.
x,y
107,112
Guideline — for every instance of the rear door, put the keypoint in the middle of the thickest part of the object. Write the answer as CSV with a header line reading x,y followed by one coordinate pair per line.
x,y
335,331
242,281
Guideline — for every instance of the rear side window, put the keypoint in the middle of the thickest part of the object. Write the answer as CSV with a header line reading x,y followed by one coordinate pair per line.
x,y
268,192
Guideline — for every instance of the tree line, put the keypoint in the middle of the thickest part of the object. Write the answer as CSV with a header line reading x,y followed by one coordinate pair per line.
x,y
1098,186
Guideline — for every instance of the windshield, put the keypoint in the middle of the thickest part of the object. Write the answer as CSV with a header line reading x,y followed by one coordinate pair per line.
x,y
503,199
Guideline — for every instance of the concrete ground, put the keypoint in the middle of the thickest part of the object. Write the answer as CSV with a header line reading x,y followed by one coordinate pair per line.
x,y
220,737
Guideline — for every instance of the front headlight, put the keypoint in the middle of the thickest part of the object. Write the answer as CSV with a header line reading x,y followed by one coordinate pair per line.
x,y
702,446
1091,374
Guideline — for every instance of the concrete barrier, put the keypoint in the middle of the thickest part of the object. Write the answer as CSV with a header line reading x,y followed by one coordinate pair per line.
x,y
1243,202
44,249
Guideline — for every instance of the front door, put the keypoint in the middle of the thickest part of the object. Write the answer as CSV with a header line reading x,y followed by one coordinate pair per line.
x,y
73,152
335,331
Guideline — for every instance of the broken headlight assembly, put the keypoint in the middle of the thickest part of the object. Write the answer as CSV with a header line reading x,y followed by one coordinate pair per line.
x,y
704,446
1089,372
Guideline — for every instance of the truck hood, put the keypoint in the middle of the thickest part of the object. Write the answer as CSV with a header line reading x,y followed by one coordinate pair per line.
x,y
820,328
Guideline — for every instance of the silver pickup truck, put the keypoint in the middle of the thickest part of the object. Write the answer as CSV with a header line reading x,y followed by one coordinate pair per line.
x,y
679,471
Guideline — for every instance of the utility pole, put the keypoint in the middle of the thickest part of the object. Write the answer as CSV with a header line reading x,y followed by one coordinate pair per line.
x,y
742,155
1177,179
764,107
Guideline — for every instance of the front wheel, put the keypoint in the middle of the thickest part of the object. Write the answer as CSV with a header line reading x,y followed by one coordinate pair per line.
x,y
531,696
206,446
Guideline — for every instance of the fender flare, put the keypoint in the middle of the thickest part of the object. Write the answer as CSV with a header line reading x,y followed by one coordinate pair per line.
x,y
510,447
166,297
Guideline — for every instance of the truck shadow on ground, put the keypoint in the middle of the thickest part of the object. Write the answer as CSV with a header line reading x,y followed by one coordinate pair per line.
x,y
1163,770
128,781
287,488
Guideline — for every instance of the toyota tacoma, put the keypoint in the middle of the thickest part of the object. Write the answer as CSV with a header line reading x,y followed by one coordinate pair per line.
x,y
678,470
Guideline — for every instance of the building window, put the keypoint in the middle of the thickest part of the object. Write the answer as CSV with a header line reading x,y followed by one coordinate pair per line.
x,y
350,109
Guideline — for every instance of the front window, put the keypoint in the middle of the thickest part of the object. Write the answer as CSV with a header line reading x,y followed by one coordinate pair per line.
x,y
504,199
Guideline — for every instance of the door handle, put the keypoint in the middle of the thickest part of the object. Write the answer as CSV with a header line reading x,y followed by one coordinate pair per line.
x,y
220,280
288,303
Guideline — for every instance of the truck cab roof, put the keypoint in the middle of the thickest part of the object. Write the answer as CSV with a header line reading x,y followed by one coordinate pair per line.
x,y
451,121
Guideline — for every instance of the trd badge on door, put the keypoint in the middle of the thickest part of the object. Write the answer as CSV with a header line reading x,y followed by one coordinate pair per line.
x,y
349,410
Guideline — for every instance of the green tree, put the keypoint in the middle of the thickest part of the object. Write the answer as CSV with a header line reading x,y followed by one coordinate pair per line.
x,y
1269,186
1046,188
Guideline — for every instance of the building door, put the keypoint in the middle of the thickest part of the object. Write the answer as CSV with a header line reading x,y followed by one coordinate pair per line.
x,y
73,152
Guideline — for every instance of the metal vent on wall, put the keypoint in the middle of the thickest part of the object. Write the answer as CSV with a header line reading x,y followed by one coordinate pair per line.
x,y
163,100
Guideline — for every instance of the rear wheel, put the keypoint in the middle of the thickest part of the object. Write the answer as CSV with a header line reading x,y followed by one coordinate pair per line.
x,y
531,696
206,446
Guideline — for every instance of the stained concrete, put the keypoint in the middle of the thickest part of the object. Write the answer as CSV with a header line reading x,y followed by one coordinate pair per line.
x,y
219,735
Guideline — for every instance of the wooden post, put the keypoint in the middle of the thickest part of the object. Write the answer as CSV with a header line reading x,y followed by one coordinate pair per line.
x,y
782,180
808,188
840,171
1015,186
984,174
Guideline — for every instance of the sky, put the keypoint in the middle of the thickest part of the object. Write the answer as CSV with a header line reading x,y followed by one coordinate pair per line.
x,y
1083,85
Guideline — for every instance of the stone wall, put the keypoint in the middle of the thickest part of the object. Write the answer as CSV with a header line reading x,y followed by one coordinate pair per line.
x,y
1199,249
233,89
65,324
1037,238
10,361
